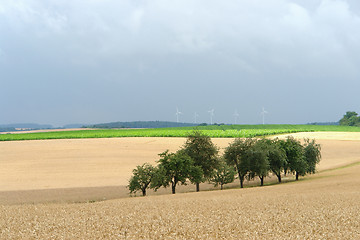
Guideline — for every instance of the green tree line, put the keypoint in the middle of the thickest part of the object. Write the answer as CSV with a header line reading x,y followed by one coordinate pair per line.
x,y
198,161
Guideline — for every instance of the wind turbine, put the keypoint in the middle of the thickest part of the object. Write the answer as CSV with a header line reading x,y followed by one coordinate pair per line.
x,y
178,113
236,115
195,117
211,115
263,112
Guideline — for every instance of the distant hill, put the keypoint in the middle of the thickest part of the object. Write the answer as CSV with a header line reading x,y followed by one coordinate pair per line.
x,y
141,124
7,129
23,126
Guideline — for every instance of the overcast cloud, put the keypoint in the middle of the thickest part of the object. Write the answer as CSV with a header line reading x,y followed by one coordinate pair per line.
x,y
100,61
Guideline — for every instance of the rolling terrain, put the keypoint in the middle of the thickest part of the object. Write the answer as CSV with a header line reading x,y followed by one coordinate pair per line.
x,y
57,181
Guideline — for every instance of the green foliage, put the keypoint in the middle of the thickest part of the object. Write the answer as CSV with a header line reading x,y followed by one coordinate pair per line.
x,y
276,157
296,162
248,157
312,155
203,152
257,156
223,174
350,119
173,169
235,155
196,174
141,179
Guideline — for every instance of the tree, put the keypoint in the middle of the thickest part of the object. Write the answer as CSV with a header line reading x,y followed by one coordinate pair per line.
x,y
173,169
350,119
196,174
235,156
294,151
141,179
204,154
223,174
276,157
257,156
312,155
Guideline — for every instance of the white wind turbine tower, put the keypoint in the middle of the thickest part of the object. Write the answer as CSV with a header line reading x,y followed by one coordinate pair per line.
x,y
211,115
178,113
263,112
236,115
195,117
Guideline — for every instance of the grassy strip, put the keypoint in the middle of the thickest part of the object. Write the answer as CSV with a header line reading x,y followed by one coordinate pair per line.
x,y
214,131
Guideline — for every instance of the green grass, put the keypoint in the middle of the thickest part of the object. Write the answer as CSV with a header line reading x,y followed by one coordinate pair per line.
x,y
223,131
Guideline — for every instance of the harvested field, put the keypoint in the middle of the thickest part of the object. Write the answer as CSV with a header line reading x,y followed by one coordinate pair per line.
x,y
343,136
321,206
74,163
324,207
68,163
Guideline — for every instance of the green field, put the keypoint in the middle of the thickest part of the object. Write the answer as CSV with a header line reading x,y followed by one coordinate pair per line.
x,y
222,131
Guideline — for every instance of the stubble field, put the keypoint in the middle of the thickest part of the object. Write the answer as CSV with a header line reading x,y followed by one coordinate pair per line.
x,y
323,206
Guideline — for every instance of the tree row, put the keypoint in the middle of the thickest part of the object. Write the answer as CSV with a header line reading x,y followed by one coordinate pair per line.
x,y
199,161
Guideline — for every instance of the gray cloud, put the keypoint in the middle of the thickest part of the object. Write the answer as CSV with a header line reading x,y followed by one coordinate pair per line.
x,y
96,61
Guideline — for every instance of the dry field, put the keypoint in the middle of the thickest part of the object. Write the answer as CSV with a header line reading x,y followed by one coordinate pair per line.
x,y
323,206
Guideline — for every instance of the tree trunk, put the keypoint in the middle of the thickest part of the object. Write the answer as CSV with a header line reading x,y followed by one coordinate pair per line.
x,y
261,181
297,176
173,188
198,187
143,191
241,182
221,186
279,177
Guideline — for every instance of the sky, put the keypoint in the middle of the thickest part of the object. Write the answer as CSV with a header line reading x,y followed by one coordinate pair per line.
x,y
96,61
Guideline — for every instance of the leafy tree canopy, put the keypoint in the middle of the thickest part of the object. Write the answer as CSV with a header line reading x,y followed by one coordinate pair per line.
x,y
203,152
141,179
173,169
235,155
350,119
223,174
257,156
294,151
312,155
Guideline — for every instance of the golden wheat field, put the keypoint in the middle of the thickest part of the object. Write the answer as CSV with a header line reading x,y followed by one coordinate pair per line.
x,y
47,188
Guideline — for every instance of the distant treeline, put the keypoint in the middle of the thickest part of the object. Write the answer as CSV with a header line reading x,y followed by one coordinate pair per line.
x,y
141,124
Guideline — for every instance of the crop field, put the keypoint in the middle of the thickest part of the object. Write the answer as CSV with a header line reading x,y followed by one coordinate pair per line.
x,y
320,206
214,131
325,206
